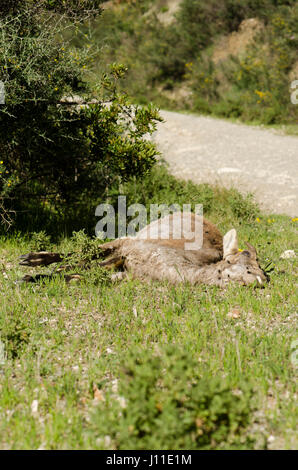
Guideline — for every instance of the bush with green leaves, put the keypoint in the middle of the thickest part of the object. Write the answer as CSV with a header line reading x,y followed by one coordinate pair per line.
x,y
40,241
253,87
164,404
257,83
57,154
14,333
83,258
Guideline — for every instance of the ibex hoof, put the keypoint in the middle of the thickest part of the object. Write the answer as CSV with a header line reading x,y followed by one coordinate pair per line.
x,y
43,258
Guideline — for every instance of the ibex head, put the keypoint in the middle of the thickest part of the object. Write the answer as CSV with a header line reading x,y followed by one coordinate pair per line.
x,y
241,267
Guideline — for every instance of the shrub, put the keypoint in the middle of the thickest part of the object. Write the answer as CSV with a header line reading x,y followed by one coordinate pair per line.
x,y
40,241
256,85
56,155
85,249
14,333
166,405
253,87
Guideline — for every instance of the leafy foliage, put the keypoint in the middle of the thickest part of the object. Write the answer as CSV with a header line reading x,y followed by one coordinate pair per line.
x,y
40,241
60,139
166,405
74,9
15,333
84,250
253,85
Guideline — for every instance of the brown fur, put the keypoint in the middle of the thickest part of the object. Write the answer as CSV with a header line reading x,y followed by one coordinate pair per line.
x,y
214,263
217,262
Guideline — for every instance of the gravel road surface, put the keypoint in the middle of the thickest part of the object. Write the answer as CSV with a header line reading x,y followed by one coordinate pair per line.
x,y
249,158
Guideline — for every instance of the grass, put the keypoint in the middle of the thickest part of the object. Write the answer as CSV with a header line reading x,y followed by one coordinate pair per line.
x,y
147,365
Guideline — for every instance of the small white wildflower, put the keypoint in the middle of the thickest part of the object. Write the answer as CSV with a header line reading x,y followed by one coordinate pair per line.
x,y
288,254
34,407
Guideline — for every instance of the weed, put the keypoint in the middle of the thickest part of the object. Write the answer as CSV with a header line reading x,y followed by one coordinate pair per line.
x,y
15,335
166,405
40,241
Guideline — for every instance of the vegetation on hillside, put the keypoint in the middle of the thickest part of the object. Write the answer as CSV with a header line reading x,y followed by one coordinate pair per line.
x,y
173,63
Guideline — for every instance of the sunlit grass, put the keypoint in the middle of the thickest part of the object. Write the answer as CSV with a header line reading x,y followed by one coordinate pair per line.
x,y
66,346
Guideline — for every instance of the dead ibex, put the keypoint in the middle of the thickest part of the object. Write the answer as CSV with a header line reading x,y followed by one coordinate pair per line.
x,y
149,255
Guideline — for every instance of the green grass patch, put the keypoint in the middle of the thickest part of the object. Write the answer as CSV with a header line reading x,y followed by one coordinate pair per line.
x,y
147,365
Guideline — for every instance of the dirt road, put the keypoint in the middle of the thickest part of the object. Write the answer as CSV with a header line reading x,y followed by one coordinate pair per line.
x,y
252,159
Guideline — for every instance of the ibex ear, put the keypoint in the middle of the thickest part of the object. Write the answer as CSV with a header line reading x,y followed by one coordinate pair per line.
x,y
252,250
230,243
